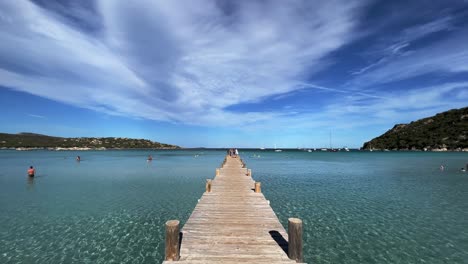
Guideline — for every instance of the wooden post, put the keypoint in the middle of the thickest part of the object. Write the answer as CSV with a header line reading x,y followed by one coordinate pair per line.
x,y
172,240
295,239
217,172
249,172
208,185
258,187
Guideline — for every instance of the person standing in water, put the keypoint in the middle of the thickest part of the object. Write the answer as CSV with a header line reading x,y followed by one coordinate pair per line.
x,y
78,158
150,158
31,171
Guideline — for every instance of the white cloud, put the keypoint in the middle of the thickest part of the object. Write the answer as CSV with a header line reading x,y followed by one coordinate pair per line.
x,y
357,112
450,56
187,63
398,60
37,116
404,105
172,61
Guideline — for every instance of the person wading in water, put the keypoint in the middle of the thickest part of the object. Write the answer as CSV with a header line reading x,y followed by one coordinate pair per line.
x,y
31,171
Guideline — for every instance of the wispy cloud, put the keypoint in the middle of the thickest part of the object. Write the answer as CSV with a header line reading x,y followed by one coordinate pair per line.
x,y
357,112
37,116
395,58
404,105
447,56
171,61
188,62
340,91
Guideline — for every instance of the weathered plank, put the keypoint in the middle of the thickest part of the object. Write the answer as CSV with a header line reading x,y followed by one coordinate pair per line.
x,y
233,222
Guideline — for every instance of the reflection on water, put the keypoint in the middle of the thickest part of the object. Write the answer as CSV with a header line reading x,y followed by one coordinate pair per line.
x,y
30,181
112,206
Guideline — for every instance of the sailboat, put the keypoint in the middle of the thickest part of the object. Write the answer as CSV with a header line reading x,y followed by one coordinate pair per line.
x,y
331,148
277,150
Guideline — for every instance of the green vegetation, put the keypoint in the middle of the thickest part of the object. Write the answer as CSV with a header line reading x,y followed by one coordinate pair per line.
x,y
30,140
444,131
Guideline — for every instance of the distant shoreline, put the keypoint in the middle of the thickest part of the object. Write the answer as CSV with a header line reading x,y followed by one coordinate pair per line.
x,y
31,141
223,149
79,148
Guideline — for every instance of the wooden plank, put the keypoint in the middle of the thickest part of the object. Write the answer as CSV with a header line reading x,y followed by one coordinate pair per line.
x,y
233,224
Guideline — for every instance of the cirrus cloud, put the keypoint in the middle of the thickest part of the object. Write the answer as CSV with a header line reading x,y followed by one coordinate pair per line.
x,y
168,60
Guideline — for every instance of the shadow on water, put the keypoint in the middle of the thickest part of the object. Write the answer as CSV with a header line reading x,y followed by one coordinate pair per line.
x,y
279,239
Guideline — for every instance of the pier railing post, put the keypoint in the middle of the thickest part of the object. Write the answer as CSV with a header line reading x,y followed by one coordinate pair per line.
x,y
249,172
217,172
208,185
172,240
295,239
258,187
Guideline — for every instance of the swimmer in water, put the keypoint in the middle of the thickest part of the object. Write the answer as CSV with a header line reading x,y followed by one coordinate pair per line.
x,y
442,167
78,158
31,171
150,158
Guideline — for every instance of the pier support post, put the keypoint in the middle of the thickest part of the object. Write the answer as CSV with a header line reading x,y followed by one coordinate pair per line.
x,y
208,185
172,240
295,239
249,172
258,187
217,172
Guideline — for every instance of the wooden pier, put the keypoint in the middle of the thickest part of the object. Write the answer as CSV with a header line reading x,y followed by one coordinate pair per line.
x,y
233,223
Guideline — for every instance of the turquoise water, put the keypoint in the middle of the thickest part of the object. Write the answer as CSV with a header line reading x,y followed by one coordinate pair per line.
x,y
357,207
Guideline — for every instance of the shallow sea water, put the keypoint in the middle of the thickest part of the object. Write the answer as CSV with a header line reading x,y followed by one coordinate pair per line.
x,y
357,207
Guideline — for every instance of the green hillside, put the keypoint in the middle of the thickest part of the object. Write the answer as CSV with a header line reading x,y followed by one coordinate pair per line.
x,y
30,140
447,130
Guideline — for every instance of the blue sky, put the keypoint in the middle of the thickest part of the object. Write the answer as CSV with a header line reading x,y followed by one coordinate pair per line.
x,y
230,73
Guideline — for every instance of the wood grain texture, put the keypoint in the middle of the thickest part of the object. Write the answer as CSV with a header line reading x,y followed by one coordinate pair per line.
x,y
172,240
295,239
233,224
